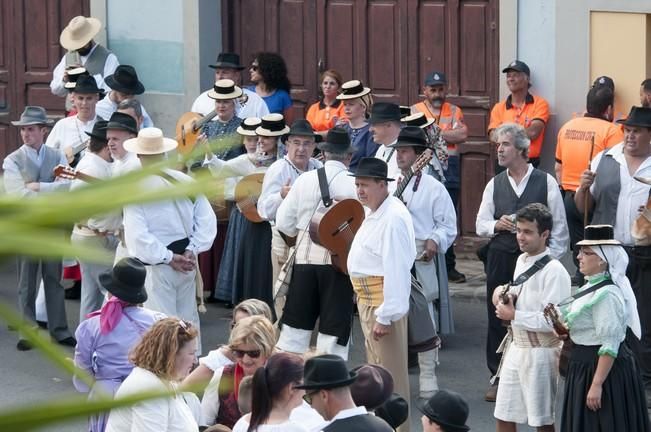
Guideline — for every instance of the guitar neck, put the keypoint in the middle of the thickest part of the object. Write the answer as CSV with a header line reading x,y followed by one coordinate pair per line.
x,y
205,119
403,184
85,177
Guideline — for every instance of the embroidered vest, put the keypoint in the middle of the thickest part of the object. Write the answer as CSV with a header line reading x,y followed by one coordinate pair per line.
x,y
229,411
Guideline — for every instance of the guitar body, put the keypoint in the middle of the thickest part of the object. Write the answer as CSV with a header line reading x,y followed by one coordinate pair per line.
x,y
186,134
247,192
334,228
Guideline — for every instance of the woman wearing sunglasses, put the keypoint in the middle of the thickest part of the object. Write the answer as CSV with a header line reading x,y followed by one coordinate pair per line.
x,y
251,343
268,73
603,388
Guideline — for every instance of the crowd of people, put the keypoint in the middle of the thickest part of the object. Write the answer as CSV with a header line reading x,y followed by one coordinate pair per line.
x,y
395,174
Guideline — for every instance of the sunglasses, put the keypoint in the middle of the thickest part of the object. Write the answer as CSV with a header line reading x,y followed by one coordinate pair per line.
x,y
308,397
254,354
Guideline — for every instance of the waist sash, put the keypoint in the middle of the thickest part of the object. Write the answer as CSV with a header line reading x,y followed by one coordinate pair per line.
x,y
369,290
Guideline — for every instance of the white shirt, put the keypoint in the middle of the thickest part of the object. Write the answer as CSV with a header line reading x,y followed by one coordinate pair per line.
x,y
632,195
154,415
128,163
549,285
106,107
94,166
242,425
344,414
149,228
274,179
432,211
388,155
255,106
559,238
69,132
13,178
385,246
56,85
231,171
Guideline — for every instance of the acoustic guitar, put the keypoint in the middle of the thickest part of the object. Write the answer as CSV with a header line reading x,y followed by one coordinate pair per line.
x,y
69,173
420,163
335,227
247,192
188,128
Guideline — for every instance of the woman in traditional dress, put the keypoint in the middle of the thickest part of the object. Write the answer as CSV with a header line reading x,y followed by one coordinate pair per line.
x,y
603,387
328,111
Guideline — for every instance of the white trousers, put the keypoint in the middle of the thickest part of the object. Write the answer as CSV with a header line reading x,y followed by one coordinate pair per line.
x,y
298,341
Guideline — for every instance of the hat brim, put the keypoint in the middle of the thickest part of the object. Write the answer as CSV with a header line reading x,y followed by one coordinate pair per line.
x,y
389,179
626,122
424,408
610,242
436,83
354,96
223,65
133,145
99,137
114,85
377,120
212,94
68,42
328,385
512,69
49,123
266,132
329,147
400,144
127,293
245,132
120,126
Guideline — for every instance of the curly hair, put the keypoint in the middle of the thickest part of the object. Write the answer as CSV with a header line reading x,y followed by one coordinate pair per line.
x,y
158,347
273,69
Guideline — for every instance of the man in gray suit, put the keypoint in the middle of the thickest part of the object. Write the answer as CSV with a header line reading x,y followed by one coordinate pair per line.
x,y
28,172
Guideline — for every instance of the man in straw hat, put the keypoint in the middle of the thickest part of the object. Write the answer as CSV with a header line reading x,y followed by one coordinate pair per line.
x,y
108,335
168,235
317,289
124,85
327,384
518,185
248,105
435,226
614,196
77,37
28,172
379,264
69,133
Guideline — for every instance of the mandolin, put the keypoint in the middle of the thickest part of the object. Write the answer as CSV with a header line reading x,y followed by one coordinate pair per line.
x,y
188,128
247,192
69,173
334,228
553,317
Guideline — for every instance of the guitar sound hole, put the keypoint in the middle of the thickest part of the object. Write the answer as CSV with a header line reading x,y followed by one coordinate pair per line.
x,y
342,227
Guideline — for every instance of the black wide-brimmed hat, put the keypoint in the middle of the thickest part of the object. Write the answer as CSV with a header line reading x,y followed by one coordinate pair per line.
x,y
337,141
418,119
448,410
248,126
373,386
225,89
33,115
126,280
227,60
639,116
411,136
435,79
99,130
326,372
372,167
87,84
122,121
594,235
272,125
125,80
383,112
518,66
302,128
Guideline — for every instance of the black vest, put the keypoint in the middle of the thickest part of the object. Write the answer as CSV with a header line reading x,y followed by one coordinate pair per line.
x,y
507,203
607,186
359,423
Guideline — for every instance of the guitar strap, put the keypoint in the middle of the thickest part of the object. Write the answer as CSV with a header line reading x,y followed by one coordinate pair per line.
x,y
537,266
323,185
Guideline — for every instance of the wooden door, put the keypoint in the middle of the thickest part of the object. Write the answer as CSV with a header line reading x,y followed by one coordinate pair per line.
x,y
29,51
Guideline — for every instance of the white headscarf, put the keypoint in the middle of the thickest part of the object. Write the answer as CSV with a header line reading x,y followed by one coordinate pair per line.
x,y
617,260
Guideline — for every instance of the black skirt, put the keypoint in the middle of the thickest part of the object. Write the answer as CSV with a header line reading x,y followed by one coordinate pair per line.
x,y
623,402
253,276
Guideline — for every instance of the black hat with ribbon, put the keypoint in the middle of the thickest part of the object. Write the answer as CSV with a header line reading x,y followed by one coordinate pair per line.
x,y
448,410
639,116
411,136
227,60
99,130
122,121
126,280
337,141
372,167
325,372
384,112
125,80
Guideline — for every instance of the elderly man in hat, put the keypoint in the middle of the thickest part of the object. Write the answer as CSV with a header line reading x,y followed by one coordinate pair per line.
x,y
611,191
168,235
521,107
317,289
108,335
99,231
68,134
120,128
249,104
385,127
379,263
300,142
446,411
77,38
435,226
124,85
28,172
515,187
326,382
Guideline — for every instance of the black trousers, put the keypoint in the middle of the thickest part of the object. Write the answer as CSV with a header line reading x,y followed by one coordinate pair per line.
x,y
639,274
500,266
574,224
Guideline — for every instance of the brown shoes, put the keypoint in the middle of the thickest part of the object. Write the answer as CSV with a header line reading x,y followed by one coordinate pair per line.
x,y
491,394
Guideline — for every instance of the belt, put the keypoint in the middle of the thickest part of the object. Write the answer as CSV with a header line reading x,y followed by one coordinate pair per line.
x,y
369,289
530,339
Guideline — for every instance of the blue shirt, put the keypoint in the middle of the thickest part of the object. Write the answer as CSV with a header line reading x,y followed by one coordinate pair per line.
x,y
277,102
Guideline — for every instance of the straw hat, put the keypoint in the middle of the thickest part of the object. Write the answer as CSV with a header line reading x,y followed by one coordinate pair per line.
x,y
417,119
225,89
150,141
272,125
248,126
352,90
79,31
